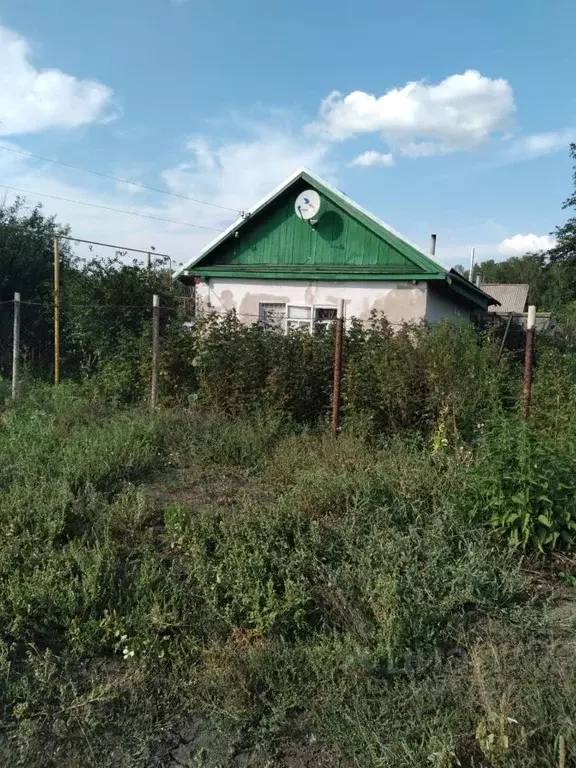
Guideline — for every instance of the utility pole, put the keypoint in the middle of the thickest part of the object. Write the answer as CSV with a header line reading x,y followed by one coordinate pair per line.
x,y
472,258
337,369
56,310
155,350
528,361
16,348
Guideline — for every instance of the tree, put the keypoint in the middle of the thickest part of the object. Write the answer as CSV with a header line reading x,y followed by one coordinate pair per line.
x,y
26,266
105,302
565,249
530,269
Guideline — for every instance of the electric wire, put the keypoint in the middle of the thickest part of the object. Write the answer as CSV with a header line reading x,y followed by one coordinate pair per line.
x,y
121,181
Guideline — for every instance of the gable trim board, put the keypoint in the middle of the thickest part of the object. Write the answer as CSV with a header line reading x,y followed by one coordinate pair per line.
x,y
410,263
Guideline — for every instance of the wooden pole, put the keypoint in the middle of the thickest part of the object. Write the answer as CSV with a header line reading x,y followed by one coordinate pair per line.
x,y
528,361
155,350
16,348
56,310
337,369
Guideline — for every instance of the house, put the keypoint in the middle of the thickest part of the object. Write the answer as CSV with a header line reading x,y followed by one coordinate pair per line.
x,y
512,297
290,268
512,304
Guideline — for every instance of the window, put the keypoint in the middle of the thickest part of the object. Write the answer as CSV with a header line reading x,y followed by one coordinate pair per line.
x,y
271,315
295,316
324,316
298,317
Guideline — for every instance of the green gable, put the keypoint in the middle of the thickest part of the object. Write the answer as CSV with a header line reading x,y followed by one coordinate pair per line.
x,y
345,243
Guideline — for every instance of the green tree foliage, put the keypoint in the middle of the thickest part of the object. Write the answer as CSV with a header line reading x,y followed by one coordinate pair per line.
x,y
565,249
26,266
106,307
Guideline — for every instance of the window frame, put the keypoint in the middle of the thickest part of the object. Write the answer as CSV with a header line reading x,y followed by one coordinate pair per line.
x,y
308,323
281,320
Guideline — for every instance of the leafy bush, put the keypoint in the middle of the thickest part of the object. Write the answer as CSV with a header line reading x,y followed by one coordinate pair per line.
x,y
525,483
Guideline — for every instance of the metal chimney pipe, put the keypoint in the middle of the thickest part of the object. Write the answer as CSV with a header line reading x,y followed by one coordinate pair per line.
x,y
478,280
432,245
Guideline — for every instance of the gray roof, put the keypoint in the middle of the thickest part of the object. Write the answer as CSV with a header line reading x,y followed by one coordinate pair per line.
x,y
512,296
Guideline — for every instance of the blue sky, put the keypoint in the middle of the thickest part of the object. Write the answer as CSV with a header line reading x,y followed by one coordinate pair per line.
x,y
448,117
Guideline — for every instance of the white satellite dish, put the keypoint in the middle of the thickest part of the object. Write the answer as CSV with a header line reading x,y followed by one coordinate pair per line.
x,y
307,205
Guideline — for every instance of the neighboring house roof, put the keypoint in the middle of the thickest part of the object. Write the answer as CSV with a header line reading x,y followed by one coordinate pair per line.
x,y
512,296
382,253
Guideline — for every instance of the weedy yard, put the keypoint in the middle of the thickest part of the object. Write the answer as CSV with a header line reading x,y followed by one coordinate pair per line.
x,y
199,588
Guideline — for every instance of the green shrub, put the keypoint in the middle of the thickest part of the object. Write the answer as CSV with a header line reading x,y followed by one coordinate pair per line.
x,y
525,485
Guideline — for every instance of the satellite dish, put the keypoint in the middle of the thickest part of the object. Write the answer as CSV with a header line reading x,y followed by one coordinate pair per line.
x,y
307,205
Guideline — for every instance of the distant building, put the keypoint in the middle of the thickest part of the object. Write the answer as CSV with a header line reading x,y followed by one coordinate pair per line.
x,y
289,264
512,301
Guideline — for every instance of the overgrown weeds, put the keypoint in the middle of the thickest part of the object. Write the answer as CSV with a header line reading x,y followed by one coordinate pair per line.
x,y
366,601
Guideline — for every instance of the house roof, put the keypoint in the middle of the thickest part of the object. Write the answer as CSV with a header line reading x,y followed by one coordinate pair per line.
x,y
427,266
511,296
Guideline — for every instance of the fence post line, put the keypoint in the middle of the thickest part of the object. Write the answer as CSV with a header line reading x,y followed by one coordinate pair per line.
x,y
528,361
337,369
16,348
56,310
155,350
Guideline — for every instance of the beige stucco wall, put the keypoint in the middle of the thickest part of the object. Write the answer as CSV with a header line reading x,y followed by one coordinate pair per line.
x,y
399,301
440,307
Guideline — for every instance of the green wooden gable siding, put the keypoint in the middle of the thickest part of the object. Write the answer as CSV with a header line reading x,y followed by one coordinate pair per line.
x,y
338,241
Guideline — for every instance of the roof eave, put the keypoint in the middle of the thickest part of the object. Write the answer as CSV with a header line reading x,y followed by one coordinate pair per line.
x,y
469,290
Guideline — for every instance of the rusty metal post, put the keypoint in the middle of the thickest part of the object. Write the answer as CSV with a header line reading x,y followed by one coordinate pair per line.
x,y
528,361
155,350
337,369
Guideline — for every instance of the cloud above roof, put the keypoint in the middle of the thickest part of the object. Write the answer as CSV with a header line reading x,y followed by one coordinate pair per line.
x,y
461,112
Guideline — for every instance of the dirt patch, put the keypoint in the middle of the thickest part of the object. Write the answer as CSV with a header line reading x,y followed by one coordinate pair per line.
x,y
201,489
202,745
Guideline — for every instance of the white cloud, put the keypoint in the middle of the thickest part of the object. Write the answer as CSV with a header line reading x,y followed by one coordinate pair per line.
x,y
239,173
539,144
461,112
518,245
371,157
34,100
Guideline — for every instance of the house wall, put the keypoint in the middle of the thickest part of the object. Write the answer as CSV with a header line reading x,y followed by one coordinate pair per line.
x,y
440,307
399,301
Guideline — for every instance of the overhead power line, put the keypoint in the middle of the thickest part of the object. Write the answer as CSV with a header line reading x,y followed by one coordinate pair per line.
x,y
108,208
121,181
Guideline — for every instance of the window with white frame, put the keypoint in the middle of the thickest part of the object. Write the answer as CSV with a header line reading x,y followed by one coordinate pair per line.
x,y
271,314
296,316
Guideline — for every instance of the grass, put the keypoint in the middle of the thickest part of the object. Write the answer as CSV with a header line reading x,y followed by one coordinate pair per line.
x,y
308,601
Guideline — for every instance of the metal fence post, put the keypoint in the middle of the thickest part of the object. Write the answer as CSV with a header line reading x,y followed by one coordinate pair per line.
x,y
528,361
337,369
16,348
56,310
155,350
